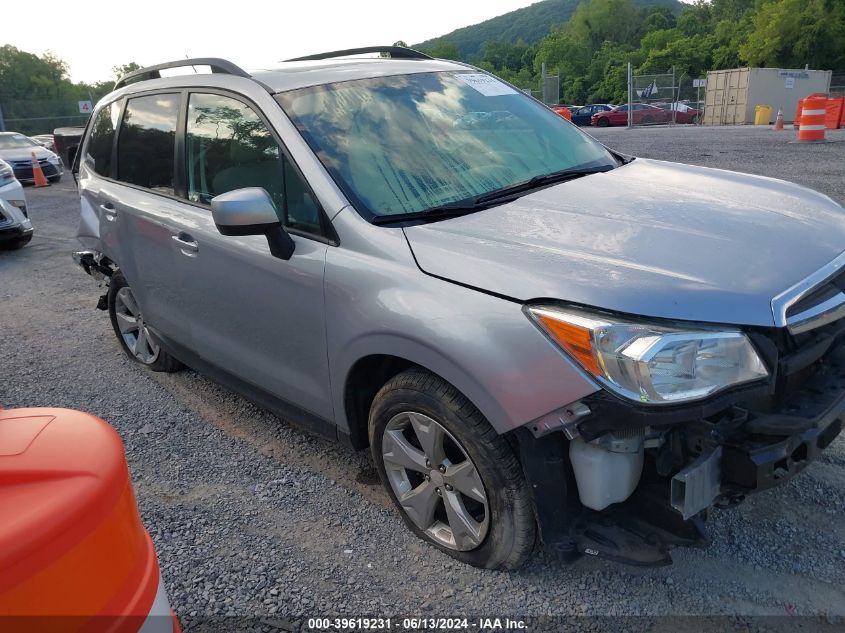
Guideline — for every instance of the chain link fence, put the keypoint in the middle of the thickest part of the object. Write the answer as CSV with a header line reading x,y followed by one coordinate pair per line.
x,y
666,98
551,89
39,117
837,84
651,98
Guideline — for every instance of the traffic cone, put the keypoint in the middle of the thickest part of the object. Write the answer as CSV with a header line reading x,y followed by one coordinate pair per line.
x,y
779,120
38,173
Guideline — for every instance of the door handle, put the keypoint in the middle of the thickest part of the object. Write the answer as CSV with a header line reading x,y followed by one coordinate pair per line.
x,y
109,212
187,243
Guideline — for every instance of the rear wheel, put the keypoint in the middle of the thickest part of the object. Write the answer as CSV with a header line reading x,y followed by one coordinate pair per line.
x,y
132,331
455,481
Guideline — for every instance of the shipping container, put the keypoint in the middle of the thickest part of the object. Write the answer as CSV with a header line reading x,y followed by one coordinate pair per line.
x,y
732,95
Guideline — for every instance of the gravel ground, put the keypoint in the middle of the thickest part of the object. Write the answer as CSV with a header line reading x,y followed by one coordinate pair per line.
x,y
252,516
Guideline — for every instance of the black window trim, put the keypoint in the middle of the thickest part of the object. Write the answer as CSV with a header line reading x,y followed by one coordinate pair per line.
x,y
114,165
329,235
89,132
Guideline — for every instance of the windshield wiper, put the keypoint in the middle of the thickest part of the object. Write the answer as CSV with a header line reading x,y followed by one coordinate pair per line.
x,y
540,181
499,196
436,213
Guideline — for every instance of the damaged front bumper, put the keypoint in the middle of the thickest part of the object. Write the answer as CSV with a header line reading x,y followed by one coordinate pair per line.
x,y
714,453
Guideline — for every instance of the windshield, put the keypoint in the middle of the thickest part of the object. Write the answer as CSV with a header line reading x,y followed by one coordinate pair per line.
x,y
410,143
16,141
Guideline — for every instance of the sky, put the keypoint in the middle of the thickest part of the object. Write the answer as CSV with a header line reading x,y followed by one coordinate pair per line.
x,y
95,35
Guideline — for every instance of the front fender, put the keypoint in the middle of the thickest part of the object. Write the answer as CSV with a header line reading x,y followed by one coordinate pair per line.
x,y
382,303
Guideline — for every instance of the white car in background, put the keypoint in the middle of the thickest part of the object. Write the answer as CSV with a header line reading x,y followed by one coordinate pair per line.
x,y
15,226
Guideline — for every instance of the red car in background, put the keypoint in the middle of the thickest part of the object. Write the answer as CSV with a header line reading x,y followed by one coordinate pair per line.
x,y
643,115
684,113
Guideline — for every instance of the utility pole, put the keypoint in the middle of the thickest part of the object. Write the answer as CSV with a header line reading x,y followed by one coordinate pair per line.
x,y
674,100
2,122
543,81
630,96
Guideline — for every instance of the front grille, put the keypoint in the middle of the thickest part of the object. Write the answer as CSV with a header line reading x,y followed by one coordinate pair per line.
x,y
28,163
814,302
23,169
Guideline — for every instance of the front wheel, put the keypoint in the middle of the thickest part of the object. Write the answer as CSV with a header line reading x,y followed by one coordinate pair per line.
x,y
132,331
454,480
603,122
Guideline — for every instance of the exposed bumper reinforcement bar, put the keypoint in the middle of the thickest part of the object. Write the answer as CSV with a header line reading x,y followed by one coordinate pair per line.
x,y
93,263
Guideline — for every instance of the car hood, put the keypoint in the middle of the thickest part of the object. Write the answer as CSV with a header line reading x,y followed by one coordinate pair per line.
x,y
10,155
649,238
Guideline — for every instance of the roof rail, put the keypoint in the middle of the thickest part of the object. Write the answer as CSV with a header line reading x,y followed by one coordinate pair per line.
x,y
152,72
396,52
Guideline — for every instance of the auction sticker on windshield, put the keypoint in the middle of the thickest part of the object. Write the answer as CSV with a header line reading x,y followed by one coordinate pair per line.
x,y
485,84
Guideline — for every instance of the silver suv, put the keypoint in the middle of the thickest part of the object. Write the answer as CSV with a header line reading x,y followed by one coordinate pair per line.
x,y
538,338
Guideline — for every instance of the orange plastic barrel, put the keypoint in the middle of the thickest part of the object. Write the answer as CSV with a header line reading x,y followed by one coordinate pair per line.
x,y
833,116
813,115
74,555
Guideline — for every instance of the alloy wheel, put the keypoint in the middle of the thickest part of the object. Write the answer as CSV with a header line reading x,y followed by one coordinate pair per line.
x,y
435,481
132,328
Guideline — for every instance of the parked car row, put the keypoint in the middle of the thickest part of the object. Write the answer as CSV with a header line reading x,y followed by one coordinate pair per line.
x,y
604,115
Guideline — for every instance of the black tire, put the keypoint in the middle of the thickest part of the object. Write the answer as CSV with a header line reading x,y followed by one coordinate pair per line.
x,y
54,179
511,531
163,361
15,244
603,122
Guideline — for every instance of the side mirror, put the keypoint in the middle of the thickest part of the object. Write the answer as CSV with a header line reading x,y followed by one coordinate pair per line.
x,y
250,211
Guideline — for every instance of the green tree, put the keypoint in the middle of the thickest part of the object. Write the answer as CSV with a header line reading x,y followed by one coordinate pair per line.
x,y
443,49
792,33
125,69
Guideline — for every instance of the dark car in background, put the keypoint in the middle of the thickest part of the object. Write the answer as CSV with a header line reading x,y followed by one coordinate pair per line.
x,y
643,115
584,114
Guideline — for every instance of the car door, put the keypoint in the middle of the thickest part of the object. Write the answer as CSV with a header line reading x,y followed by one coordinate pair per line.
x,y
582,116
254,316
619,115
139,210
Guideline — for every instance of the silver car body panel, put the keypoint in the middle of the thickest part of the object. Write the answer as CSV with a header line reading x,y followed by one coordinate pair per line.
x,y
379,302
650,238
293,75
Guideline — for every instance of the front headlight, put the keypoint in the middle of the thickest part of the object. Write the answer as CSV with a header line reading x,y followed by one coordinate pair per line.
x,y
648,362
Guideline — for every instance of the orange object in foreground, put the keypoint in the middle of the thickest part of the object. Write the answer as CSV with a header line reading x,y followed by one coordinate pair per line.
x,y
74,555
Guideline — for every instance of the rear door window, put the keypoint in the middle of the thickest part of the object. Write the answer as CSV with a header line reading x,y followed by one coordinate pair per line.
x,y
101,140
146,144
